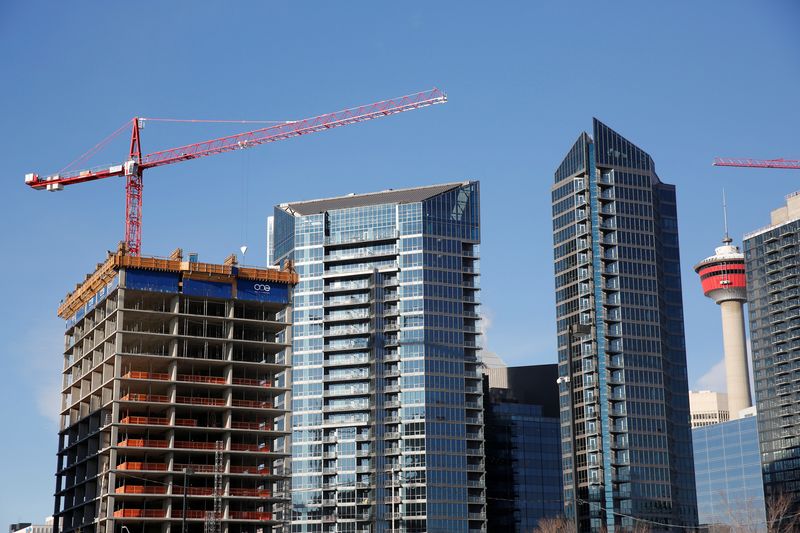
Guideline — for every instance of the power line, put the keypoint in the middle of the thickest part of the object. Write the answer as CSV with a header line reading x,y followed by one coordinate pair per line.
x,y
664,524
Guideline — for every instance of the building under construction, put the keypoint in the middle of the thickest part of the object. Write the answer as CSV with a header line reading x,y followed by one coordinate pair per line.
x,y
173,402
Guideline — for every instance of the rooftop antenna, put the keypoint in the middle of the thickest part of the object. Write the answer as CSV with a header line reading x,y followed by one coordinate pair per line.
x,y
727,239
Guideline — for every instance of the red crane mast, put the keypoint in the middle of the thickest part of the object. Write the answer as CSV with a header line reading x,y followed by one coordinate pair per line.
x,y
757,163
133,168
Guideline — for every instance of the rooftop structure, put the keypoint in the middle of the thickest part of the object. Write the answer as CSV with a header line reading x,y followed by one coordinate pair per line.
x,y
27,527
174,385
495,368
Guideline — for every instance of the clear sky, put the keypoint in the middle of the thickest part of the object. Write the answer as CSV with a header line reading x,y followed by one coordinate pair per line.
x,y
686,81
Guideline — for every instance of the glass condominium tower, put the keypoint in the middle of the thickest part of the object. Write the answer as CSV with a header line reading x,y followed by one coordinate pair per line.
x,y
619,312
387,431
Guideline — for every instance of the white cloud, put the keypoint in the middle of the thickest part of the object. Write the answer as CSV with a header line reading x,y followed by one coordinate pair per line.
x,y
41,351
713,379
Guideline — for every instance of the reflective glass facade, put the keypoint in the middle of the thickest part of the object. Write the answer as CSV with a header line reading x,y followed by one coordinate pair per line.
x,y
727,464
387,396
773,281
617,272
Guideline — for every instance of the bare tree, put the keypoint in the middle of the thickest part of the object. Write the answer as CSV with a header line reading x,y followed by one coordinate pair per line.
x,y
743,516
555,525
782,513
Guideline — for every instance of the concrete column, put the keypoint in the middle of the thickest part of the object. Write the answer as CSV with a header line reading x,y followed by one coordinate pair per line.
x,y
734,343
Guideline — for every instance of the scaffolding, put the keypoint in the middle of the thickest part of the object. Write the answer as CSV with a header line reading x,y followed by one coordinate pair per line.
x,y
212,522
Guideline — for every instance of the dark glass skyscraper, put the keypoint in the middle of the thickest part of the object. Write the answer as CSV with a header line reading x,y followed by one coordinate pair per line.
x,y
619,317
772,262
523,450
386,386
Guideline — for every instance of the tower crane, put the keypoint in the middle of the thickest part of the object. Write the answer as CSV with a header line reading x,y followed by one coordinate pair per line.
x,y
757,163
133,168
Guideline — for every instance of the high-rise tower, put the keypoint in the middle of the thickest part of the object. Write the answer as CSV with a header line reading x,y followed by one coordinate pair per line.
x,y
772,262
626,442
723,278
387,429
173,410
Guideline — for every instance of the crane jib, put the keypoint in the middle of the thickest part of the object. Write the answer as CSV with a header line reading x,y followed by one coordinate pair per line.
x,y
135,164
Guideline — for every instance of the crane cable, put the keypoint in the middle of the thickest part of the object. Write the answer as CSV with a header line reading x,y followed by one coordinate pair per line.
x,y
97,147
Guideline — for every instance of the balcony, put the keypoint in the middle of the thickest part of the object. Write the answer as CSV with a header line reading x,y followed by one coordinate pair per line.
x,y
347,345
354,329
362,236
347,300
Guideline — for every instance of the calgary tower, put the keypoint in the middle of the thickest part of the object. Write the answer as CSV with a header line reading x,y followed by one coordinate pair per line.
x,y
723,279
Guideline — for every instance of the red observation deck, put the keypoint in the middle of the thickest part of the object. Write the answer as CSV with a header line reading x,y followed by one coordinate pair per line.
x,y
723,275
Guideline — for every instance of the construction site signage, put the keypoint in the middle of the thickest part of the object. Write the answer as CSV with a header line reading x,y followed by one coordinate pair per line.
x,y
262,291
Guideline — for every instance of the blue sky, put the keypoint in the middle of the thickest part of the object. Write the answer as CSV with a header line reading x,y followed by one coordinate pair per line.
x,y
686,81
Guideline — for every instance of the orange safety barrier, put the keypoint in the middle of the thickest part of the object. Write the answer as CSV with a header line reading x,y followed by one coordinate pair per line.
x,y
249,470
252,403
200,401
251,425
185,422
136,397
259,493
140,513
197,468
201,379
152,420
249,448
133,374
129,465
253,382
143,443
250,515
140,489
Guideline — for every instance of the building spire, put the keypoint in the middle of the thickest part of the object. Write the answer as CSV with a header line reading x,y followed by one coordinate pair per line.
x,y
726,239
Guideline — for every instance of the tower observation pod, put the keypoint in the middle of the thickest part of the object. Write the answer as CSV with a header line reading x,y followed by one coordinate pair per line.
x,y
723,279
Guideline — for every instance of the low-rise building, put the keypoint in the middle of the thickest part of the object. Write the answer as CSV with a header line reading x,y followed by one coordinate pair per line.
x,y
523,467
708,408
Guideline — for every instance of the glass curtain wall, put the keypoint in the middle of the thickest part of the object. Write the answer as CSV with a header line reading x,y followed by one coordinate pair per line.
x,y
388,421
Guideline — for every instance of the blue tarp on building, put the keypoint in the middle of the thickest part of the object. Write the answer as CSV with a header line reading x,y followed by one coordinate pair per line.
x,y
146,280
210,289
